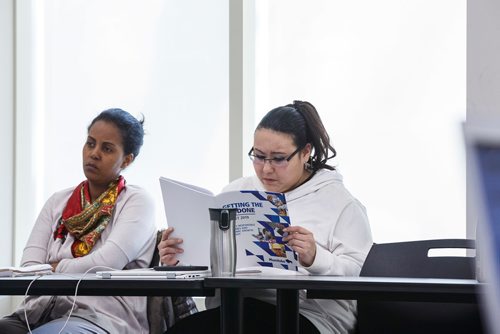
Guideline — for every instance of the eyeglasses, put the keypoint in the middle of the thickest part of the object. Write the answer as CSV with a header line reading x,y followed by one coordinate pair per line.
x,y
275,162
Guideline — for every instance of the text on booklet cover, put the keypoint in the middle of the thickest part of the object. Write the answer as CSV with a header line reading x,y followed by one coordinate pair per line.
x,y
260,220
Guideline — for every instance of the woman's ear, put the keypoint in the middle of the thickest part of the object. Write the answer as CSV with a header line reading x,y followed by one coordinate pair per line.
x,y
306,151
129,158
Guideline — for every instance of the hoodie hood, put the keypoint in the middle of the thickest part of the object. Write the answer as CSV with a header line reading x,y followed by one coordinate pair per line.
x,y
322,178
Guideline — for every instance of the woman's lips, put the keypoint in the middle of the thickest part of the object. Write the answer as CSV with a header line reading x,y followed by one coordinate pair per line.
x,y
91,167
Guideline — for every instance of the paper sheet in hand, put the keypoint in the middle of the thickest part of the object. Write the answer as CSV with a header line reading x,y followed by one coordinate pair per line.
x,y
261,218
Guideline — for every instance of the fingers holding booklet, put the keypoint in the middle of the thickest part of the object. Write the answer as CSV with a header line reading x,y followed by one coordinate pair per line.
x,y
33,270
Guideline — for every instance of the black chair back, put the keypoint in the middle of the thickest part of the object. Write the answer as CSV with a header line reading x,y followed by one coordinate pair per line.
x,y
410,259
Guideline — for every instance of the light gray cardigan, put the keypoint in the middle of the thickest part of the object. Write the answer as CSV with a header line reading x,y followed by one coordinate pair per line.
x,y
127,242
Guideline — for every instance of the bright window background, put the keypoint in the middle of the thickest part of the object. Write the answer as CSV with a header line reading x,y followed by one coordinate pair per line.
x,y
164,59
388,79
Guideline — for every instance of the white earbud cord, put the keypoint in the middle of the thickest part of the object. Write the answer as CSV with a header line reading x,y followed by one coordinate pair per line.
x,y
74,300
24,302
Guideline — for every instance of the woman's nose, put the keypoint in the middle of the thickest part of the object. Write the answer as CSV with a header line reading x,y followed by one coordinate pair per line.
x,y
267,167
94,154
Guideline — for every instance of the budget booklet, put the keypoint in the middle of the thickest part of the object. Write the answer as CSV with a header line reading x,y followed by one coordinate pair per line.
x,y
260,220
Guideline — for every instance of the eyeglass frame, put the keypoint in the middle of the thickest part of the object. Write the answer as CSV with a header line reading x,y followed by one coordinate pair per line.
x,y
253,158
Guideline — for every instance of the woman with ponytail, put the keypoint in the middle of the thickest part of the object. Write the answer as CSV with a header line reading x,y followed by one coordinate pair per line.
x,y
330,230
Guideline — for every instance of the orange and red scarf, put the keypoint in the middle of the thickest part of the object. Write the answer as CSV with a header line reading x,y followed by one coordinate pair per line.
x,y
85,220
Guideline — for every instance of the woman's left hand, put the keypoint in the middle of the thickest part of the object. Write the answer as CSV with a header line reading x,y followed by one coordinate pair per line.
x,y
302,241
54,266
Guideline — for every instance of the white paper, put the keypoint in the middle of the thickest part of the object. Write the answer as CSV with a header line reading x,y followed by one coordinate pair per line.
x,y
36,269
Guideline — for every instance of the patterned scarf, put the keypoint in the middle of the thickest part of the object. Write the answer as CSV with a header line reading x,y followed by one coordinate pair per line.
x,y
84,220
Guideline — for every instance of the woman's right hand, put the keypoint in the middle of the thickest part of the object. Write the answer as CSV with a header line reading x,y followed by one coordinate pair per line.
x,y
168,248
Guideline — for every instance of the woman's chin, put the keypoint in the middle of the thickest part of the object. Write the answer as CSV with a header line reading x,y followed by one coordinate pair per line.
x,y
273,187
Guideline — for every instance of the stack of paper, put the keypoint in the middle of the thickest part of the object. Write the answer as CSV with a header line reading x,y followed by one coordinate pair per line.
x,y
37,269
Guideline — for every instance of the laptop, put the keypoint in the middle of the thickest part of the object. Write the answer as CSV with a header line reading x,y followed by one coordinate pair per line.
x,y
148,273
482,138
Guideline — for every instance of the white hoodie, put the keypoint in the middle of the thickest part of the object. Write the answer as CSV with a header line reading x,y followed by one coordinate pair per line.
x,y
340,227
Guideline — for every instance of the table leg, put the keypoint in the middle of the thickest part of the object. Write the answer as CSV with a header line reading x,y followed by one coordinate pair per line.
x,y
231,311
287,313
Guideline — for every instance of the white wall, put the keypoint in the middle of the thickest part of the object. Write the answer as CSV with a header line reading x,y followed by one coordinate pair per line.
x,y
483,72
483,50
29,121
6,136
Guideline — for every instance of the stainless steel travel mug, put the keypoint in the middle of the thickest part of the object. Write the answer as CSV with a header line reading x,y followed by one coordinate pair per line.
x,y
222,242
